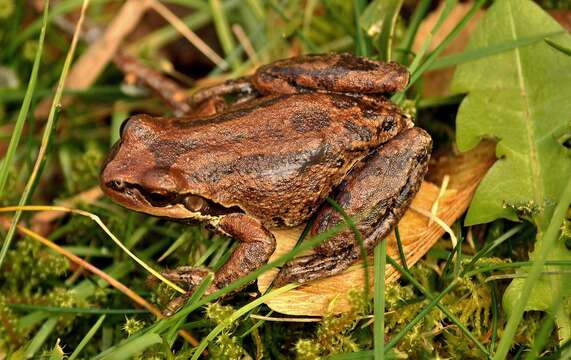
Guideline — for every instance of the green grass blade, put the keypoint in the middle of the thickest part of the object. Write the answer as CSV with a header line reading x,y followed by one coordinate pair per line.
x,y
48,133
546,328
23,114
257,9
359,239
513,265
40,338
379,302
181,240
135,347
60,9
495,317
223,31
362,43
447,40
412,29
449,4
426,43
473,55
556,46
493,244
235,316
87,338
549,240
68,310
402,255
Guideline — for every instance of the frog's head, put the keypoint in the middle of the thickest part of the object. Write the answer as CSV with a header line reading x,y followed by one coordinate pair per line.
x,y
136,175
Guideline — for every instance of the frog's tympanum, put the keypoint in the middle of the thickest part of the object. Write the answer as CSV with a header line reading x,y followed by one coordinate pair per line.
x,y
300,130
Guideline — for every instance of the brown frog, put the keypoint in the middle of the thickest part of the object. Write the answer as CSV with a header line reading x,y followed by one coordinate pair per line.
x,y
300,130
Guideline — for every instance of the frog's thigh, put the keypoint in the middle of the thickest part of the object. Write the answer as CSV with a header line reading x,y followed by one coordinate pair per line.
x,y
378,190
256,246
330,72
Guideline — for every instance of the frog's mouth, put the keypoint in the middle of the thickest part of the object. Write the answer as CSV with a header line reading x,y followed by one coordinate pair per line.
x,y
165,203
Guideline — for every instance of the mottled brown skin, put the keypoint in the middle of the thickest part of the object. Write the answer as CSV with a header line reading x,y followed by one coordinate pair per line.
x,y
315,139
270,161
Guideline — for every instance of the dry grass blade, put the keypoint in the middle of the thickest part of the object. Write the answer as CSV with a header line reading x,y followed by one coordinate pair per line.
x,y
188,34
246,44
417,236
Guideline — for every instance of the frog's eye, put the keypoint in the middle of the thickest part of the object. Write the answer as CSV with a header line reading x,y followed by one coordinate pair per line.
x,y
194,203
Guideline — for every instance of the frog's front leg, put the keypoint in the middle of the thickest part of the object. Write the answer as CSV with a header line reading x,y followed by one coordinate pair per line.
x,y
256,246
242,87
377,192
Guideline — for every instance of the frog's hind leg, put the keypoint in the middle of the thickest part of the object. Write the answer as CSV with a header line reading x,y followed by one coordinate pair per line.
x,y
341,73
377,193
256,246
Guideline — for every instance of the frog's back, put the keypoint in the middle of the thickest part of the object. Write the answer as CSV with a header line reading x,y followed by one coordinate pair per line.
x,y
276,158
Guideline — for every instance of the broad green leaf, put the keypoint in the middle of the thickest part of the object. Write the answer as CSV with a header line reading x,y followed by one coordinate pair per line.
x,y
521,98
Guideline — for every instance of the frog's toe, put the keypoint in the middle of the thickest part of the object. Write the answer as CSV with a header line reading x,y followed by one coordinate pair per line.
x,y
189,276
314,267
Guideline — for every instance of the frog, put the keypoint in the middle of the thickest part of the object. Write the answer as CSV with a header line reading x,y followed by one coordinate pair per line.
x,y
295,132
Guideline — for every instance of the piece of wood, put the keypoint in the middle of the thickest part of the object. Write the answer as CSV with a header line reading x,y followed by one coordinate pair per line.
x,y
417,236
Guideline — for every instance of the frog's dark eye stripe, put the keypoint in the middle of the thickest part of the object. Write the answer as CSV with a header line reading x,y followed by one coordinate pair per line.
x,y
156,198
161,199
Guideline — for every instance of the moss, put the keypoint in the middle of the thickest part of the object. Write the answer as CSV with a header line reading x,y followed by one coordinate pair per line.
x,y
132,325
226,345
334,333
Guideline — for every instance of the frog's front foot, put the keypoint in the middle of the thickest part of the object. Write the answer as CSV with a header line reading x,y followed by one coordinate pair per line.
x,y
190,277
256,244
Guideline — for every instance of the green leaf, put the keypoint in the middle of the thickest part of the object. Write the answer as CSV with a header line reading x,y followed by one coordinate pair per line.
x,y
521,98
